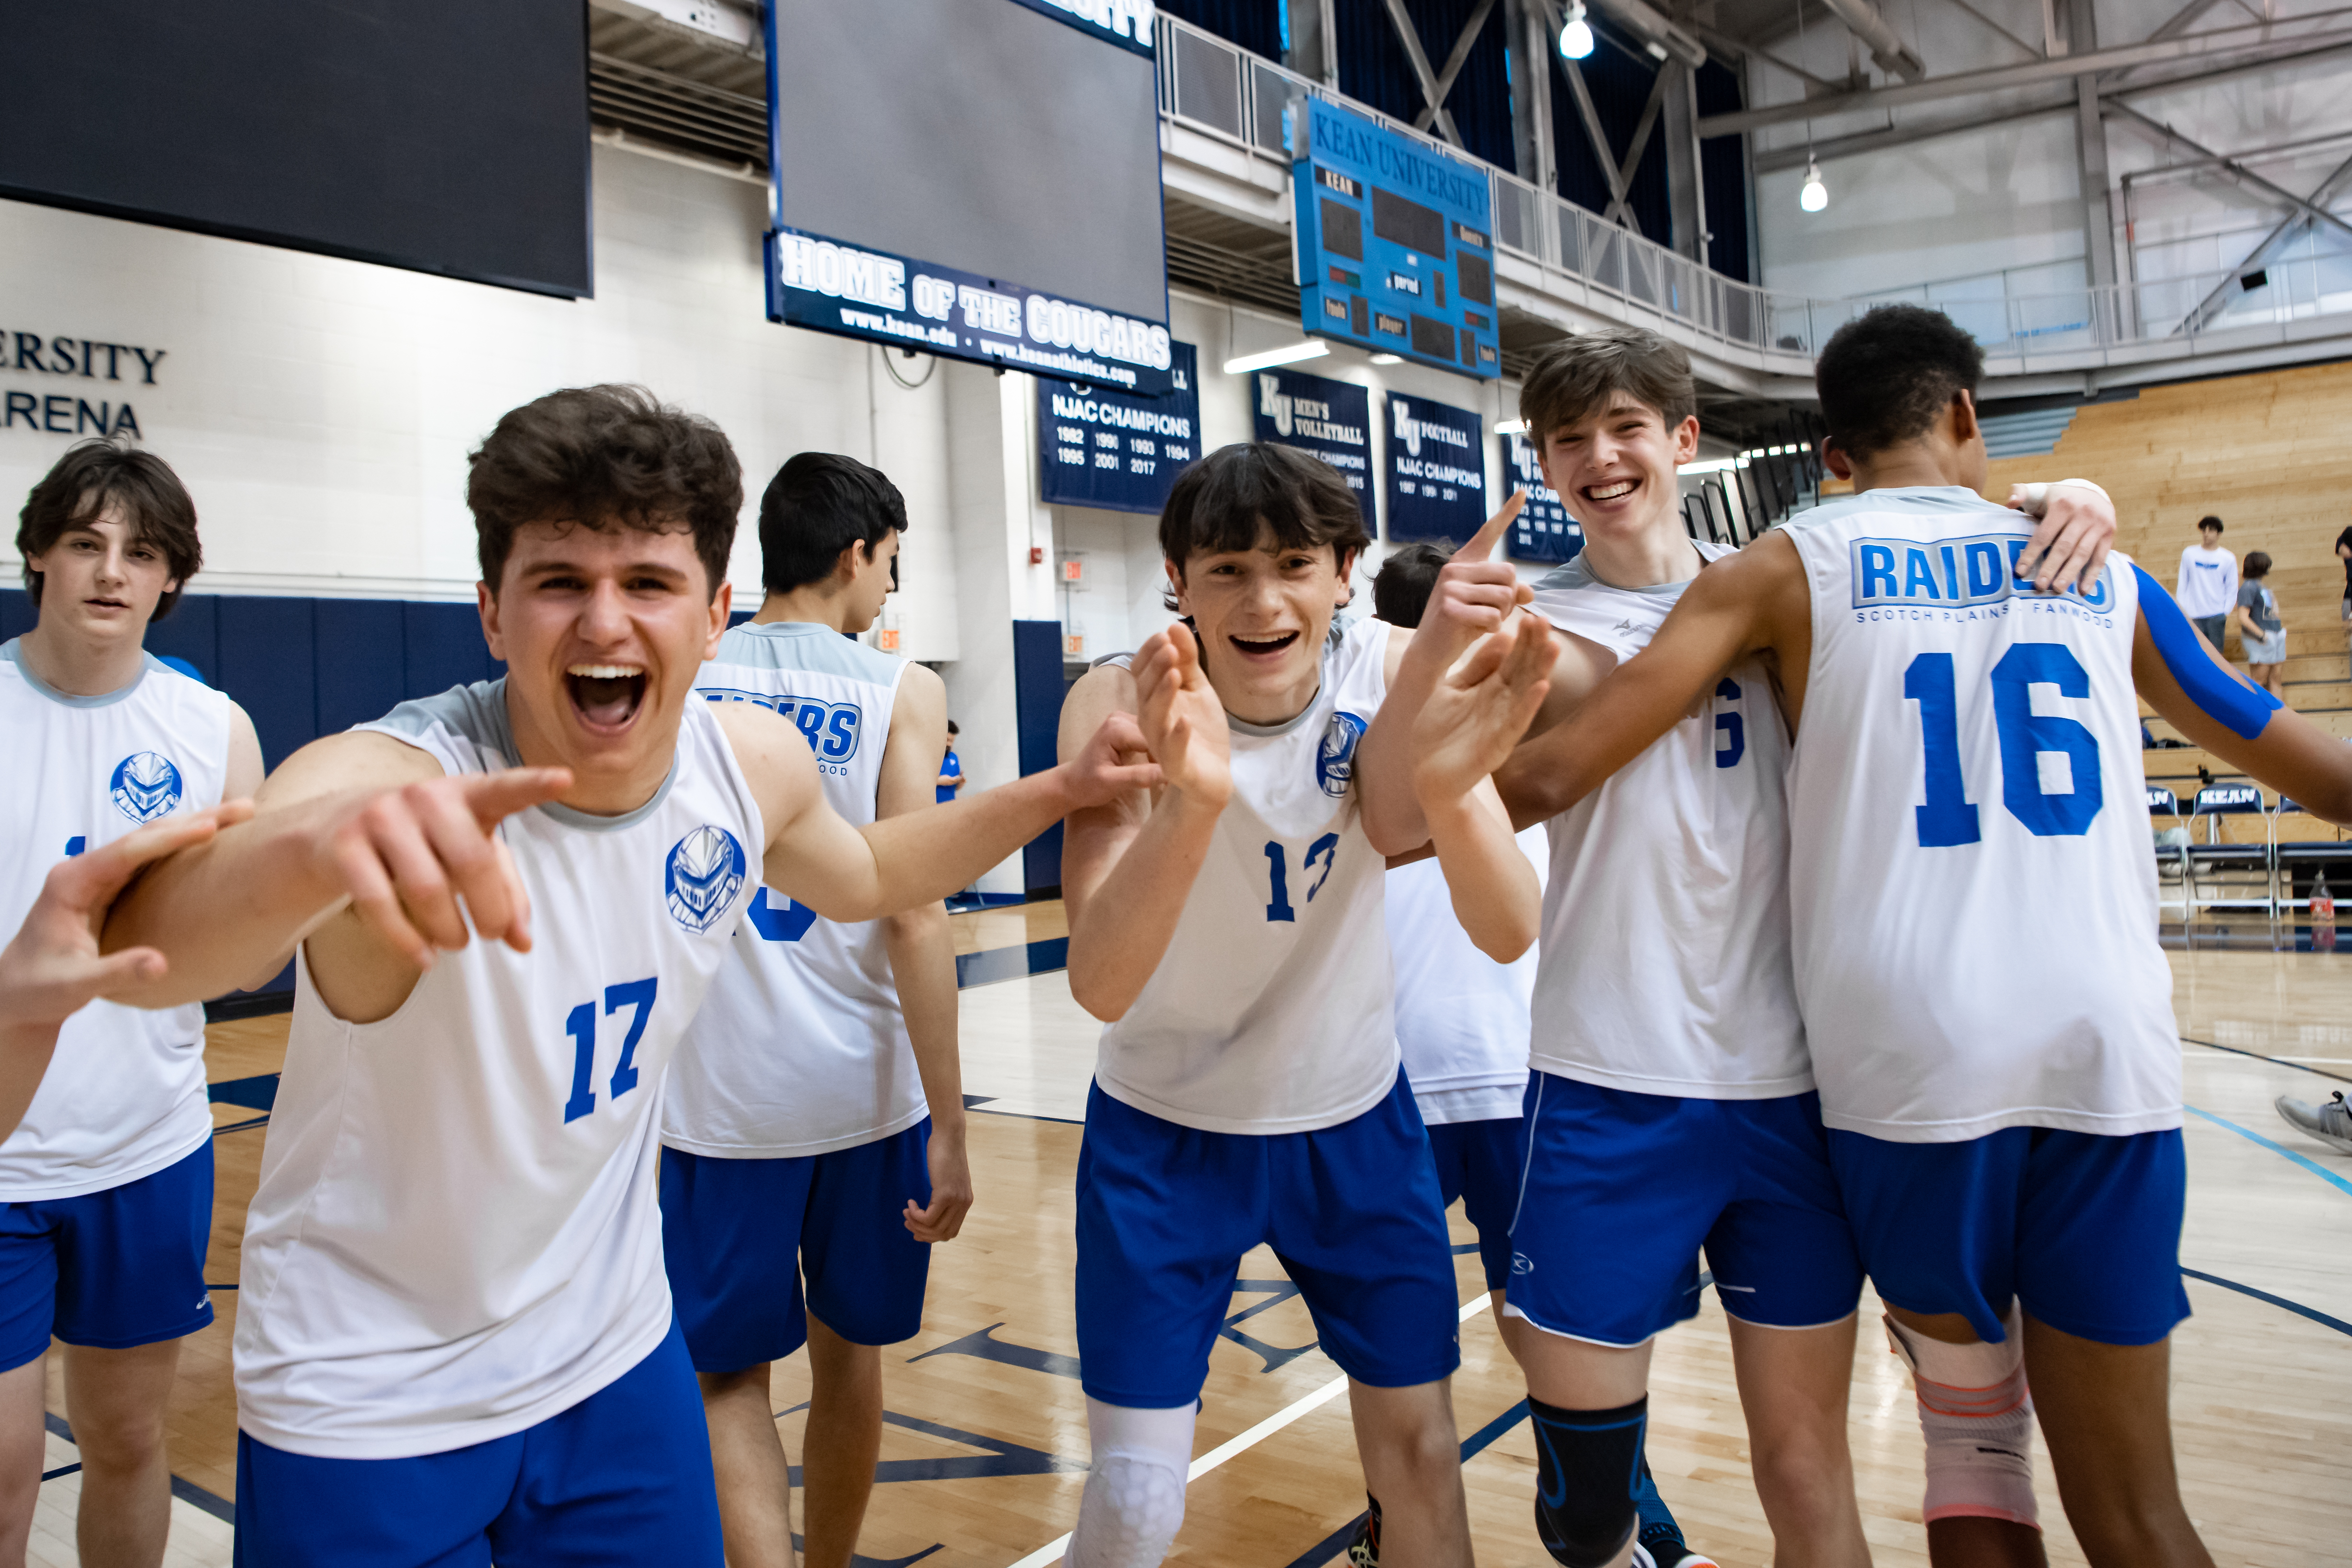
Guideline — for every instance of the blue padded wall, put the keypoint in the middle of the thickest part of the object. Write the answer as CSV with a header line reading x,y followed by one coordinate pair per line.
x,y
1038,692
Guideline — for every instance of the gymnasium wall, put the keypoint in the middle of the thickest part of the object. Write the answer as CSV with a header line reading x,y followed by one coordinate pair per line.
x,y
1960,209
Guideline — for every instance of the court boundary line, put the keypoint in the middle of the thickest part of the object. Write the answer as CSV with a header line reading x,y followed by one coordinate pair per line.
x,y
2273,1061
2314,1166
2314,1314
1054,1550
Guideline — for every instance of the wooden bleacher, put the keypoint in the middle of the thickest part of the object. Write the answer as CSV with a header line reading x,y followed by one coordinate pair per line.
x,y
2267,455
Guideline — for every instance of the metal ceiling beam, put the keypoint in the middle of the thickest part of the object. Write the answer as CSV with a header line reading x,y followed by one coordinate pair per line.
x,y
1418,58
2235,169
1895,57
2030,52
1772,161
2034,72
1454,62
2293,223
1623,182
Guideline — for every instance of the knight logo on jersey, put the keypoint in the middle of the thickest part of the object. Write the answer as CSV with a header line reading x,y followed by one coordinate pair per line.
x,y
145,786
1335,759
704,875
831,729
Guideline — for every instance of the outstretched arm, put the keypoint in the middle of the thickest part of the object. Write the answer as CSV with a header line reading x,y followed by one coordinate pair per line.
x,y
1466,730
1755,601
899,863
1129,864
2186,679
51,968
1473,597
922,959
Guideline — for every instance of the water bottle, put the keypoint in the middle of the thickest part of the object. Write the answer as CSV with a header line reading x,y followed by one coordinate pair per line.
x,y
2323,916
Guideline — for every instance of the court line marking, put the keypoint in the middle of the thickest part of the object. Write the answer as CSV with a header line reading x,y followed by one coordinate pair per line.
x,y
2314,1166
2314,1314
2299,1065
1053,1551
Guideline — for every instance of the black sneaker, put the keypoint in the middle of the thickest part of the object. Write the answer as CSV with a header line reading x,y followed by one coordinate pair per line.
x,y
1364,1550
1658,1541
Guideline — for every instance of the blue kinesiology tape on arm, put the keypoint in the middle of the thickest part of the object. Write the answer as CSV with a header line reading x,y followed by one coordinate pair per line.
x,y
2228,700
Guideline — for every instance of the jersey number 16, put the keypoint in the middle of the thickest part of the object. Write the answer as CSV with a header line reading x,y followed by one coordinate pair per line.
x,y
1948,819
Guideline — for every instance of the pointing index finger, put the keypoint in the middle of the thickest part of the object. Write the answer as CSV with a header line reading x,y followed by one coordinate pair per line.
x,y
1482,543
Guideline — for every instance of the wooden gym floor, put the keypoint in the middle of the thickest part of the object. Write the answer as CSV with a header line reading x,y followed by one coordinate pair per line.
x,y
984,1455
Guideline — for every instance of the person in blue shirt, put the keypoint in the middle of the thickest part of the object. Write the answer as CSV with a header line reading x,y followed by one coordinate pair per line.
x,y
950,770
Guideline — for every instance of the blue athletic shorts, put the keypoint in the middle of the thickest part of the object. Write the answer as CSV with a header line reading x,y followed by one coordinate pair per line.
x,y
110,1269
737,1235
1479,1162
1165,1211
622,1479
2082,1228
1622,1189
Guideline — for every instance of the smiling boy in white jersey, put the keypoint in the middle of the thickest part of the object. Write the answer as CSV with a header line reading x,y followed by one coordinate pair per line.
x,y
454,1341
815,1122
106,1186
1973,922
1229,932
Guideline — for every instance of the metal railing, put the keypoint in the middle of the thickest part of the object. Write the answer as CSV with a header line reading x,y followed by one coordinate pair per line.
x,y
1218,87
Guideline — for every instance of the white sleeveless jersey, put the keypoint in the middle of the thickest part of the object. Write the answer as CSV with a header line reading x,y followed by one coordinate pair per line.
x,y
456,1233
1973,899
800,1047
1271,1012
126,1087
1461,1017
124,1094
1665,965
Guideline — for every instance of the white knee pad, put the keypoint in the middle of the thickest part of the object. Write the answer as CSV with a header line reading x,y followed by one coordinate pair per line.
x,y
1978,1417
1135,1489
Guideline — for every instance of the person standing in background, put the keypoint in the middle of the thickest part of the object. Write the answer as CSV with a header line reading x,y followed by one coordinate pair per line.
x,y
2343,554
2208,585
2259,627
951,767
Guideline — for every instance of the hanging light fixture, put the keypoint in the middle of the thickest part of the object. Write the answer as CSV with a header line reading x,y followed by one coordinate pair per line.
x,y
1814,195
1575,34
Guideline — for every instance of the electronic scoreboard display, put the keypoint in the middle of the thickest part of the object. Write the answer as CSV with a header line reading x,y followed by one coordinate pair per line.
x,y
1396,244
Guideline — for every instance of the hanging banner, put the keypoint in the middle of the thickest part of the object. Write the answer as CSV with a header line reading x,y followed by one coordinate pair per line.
x,y
1105,449
1543,529
1436,471
1333,419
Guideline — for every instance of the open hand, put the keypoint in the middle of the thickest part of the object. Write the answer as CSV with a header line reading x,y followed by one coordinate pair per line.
x,y
1480,709
406,855
52,968
1473,594
2070,545
1183,722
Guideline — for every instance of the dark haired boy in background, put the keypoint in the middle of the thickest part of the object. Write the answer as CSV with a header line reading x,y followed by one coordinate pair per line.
x,y
1973,924
815,1126
454,1341
106,1186
1227,929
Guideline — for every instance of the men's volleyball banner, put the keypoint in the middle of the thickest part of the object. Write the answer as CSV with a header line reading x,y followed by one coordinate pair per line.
x,y
1543,529
1106,449
829,286
1333,419
1436,470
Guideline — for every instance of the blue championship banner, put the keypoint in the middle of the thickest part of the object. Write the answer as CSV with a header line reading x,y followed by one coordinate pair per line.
x,y
1333,419
829,286
1543,531
1436,471
1106,449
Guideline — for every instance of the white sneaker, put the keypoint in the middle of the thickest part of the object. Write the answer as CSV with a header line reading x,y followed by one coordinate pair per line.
x,y
2331,1123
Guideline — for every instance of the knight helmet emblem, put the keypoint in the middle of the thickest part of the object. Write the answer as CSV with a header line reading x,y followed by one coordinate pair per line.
x,y
145,786
704,875
1334,759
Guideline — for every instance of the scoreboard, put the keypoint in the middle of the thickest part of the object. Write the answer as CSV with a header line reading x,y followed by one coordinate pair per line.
x,y
1396,244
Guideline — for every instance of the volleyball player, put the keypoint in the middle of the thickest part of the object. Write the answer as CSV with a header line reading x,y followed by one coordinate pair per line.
x,y
455,1342
1974,931
1463,1026
1229,932
814,1124
106,1184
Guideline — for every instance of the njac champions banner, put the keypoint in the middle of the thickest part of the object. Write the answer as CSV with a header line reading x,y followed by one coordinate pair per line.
x,y
1106,449
829,286
1543,531
1436,471
1333,419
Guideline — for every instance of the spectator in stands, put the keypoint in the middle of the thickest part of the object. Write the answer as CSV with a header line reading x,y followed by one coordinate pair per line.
x,y
2256,618
951,769
2344,553
2208,586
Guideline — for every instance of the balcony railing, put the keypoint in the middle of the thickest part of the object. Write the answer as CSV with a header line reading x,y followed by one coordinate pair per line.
x,y
1214,86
